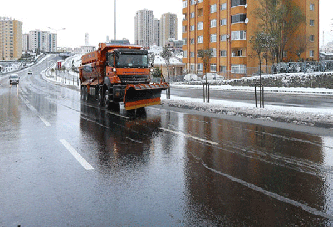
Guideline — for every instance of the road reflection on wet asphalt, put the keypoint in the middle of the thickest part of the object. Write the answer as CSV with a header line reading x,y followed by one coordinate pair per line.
x,y
156,167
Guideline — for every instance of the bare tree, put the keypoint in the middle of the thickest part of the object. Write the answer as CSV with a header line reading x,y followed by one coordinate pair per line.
x,y
167,54
298,45
206,55
279,19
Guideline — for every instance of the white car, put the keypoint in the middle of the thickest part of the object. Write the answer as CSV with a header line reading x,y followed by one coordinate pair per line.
x,y
190,77
14,79
212,76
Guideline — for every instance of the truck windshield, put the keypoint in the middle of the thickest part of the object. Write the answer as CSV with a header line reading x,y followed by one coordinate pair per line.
x,y
132,61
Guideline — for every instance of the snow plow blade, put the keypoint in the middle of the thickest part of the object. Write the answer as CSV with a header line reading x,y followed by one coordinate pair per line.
x,y
142,95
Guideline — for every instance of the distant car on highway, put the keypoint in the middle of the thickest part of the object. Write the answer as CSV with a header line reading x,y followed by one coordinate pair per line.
x,y
14,79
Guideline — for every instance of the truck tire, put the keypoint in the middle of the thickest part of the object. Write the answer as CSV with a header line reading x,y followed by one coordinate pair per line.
x,y
106,99
101,97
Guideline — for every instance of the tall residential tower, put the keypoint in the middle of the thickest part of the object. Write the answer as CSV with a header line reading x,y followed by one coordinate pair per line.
x,y
10,39
168,28
144,28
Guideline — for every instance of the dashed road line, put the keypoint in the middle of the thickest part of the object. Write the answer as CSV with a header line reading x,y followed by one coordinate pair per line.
x,y
189,136
33,109
76,155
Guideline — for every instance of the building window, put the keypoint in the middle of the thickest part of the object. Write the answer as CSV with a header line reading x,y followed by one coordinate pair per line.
x,y
213,8
223,69
184,29
200,39
238,35
192,28
185,53
237,53
192,54
224,6
200,12
185,41
192,41
200,67
193,2
213,68
213,23
223,22
213,38
223,53
312,7
312,23
192,67
199,1
223,38
184,4
239,18
200,25
192,15
214,52
311,53
238,3
240,69
312,37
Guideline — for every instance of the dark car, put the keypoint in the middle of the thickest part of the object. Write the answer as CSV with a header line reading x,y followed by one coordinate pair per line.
x,y
14,79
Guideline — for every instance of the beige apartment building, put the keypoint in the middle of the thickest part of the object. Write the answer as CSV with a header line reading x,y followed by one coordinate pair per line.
x,y
226,27
168,28
10,39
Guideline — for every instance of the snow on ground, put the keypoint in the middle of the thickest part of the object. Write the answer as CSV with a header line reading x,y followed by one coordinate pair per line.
x,y
302,90
298,115
322,117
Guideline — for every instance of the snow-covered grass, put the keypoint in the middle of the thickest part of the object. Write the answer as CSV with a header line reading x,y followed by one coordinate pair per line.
x,y
251,89
298,115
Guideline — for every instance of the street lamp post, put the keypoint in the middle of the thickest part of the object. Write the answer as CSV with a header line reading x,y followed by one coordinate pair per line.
x,y
115,24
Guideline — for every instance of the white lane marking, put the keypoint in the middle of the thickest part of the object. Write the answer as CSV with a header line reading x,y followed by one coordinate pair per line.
x,y
76,155
33,109
190,136
47,124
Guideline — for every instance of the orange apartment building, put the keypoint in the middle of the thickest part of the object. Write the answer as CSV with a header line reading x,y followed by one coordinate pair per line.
x,y
226,26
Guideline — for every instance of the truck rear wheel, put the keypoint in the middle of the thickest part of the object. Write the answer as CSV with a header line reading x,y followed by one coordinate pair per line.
x,y
106,99
101,97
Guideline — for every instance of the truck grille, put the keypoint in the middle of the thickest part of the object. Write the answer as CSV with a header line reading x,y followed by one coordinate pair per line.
x,y
134,79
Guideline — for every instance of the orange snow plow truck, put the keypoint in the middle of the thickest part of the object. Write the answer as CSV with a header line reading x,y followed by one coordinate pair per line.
x,y
120,73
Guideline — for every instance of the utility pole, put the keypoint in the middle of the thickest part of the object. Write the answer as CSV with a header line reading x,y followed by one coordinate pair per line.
x,y
115,24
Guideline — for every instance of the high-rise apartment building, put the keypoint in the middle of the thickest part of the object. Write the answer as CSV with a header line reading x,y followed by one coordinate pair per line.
x,y
168,28
157,32
144,28
226,27
42,41
25,42
10,39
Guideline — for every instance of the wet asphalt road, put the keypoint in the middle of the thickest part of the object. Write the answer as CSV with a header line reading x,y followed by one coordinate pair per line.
x,y
65,162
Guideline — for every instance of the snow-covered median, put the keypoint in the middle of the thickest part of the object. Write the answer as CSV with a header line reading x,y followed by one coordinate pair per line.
x,y
320,117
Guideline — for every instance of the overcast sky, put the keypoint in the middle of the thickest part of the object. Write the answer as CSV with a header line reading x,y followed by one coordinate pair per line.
x,y
96,17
